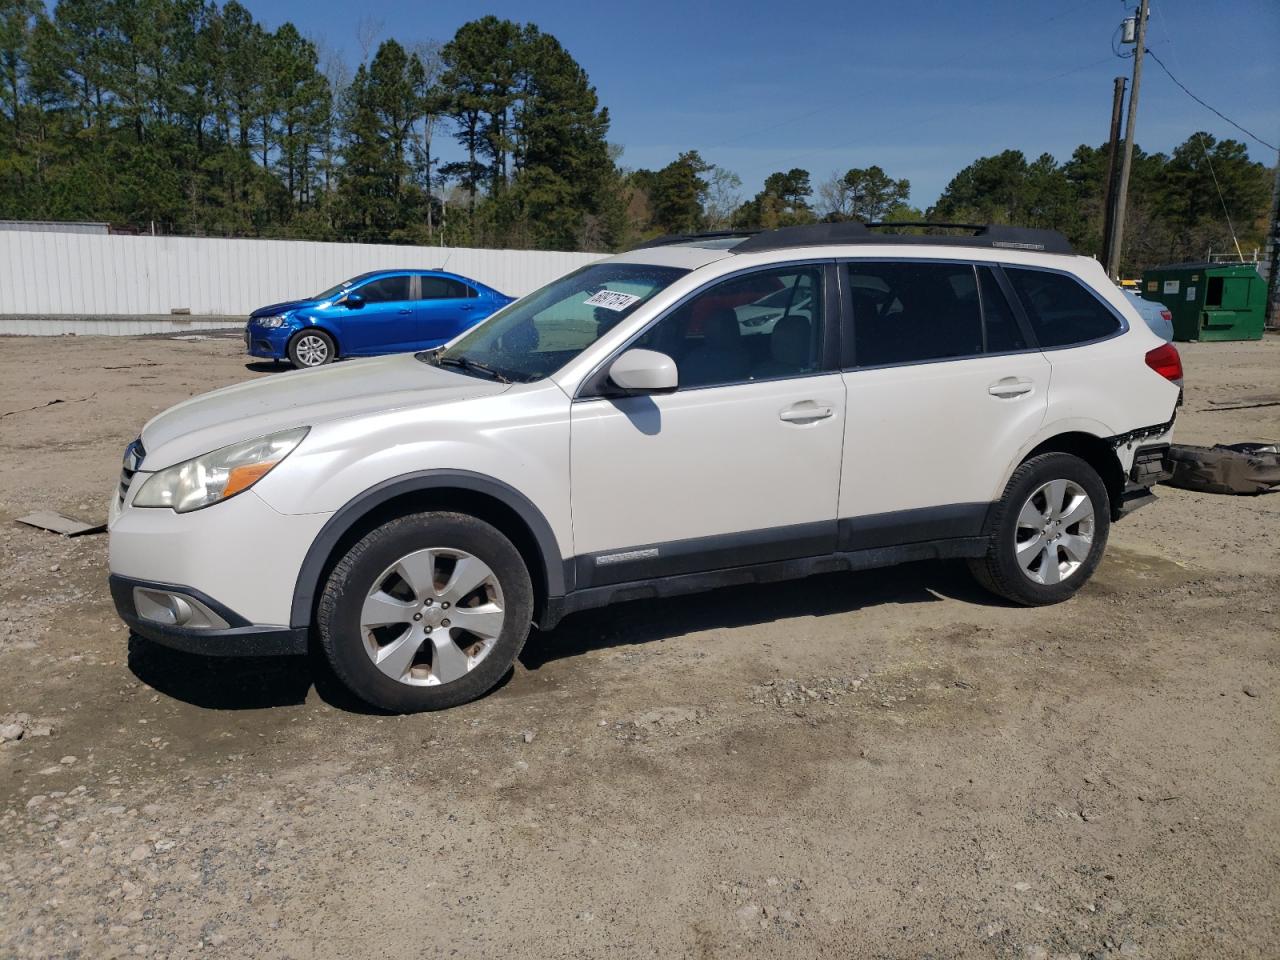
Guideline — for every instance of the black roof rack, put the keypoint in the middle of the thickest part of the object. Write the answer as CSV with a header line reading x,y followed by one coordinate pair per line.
x,y
981,235
669,238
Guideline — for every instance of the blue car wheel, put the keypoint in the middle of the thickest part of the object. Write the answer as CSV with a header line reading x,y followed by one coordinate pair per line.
x,y
311,348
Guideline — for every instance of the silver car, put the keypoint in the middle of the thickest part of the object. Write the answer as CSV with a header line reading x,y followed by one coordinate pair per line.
x,y
1156,314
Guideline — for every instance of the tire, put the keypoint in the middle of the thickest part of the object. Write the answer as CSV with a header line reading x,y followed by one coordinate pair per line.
x,y
311,348
391,616
1034,558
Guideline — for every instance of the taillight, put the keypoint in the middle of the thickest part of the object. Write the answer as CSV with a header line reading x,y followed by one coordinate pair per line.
x,y
1166,316
1165,361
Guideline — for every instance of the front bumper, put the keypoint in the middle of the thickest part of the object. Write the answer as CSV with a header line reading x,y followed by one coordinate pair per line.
x,y
239,638
271,343
241,552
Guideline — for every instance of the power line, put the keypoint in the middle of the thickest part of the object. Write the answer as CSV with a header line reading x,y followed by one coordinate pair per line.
x,y
1164,23
1249,133
1221,199
965,58
917,121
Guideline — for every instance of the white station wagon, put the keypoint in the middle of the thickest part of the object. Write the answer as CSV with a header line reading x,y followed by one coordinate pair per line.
x,y
699,412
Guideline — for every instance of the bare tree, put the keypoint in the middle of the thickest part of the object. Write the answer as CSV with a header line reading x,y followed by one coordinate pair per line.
x,y
835,198
428,51
338,75
368,29
724,196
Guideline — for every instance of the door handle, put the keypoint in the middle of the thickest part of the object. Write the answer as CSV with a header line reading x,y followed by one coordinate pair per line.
x,y
465,306
404,310
1011,387
806,411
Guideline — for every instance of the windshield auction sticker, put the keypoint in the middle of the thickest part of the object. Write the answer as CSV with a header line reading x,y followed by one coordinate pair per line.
x,y
611,300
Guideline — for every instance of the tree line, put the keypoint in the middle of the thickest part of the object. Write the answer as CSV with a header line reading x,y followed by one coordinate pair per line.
x,y
190,117
1182,205
184,116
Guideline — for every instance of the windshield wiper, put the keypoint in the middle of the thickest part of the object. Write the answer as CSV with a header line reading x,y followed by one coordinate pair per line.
x,y
465,363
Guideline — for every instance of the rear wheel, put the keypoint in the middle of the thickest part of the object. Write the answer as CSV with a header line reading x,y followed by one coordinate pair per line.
x,y
425,612
311,348
1048,532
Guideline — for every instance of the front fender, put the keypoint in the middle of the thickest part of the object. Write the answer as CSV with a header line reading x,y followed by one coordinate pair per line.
x,y
512,446
323,324
313,565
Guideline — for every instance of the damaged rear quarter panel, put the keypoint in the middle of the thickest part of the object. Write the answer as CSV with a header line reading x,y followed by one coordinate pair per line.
x,y
1105,390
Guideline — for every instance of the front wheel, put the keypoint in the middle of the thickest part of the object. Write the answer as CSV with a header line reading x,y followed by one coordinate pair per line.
x,y
425,612
1048,531
311,348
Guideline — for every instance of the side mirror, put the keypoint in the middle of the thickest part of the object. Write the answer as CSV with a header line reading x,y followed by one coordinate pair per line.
x,y
644,371
353,301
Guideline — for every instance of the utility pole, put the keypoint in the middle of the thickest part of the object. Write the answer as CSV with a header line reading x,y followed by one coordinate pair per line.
x,y
1113,148
1273,255
1122,194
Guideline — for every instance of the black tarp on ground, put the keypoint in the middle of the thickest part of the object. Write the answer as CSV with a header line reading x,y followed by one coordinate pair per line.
x,y
1241,468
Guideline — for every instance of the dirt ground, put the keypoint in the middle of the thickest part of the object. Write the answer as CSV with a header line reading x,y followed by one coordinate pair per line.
x,y
888,764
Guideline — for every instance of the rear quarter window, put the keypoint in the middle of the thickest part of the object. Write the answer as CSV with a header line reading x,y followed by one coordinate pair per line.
x,y
1062,310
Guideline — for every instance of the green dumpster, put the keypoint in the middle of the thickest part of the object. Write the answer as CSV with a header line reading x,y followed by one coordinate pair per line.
x,y
1210,301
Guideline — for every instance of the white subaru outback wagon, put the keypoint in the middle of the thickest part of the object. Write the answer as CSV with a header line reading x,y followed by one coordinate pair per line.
x,y
699,412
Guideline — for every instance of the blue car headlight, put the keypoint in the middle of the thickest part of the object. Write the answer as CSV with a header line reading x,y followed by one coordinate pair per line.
x,y
279,320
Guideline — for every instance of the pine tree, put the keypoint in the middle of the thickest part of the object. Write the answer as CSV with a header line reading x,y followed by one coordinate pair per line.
x,y
563,159
380,191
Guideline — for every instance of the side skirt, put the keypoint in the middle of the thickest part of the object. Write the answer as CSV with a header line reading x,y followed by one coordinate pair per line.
x,y
674,586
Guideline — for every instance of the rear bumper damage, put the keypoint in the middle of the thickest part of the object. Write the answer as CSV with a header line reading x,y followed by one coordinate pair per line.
x,y
1144,458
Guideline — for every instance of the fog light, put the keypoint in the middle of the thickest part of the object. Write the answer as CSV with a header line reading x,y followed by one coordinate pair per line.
x,y
181,610
175,610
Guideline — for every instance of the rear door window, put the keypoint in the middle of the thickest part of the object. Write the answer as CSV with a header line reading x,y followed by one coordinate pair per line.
x,y
1003,333
914,312
1062,310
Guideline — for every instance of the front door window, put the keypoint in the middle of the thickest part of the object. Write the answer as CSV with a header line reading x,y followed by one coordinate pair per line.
x,y
762,326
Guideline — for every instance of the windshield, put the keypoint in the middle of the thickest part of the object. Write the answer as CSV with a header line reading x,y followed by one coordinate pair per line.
x,y
538,334
339,288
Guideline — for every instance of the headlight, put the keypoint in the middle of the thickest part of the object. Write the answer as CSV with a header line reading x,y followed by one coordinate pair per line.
x,y
272,322
218,475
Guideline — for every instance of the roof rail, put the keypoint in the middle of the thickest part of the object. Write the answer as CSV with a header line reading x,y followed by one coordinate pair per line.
x,y
669,238
852,231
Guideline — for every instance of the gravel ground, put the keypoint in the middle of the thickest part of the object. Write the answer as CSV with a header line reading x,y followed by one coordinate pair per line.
x,y
889,764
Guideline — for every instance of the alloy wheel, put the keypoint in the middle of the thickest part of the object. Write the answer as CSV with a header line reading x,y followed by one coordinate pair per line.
x,y
1054,533
432,616
311,351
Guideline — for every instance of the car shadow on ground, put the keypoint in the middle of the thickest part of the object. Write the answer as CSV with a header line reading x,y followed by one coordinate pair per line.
x,y
234,683
255,683
644,621
266,366
246,683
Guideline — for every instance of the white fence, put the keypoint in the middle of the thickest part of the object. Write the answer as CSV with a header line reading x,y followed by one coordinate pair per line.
x,y
83,275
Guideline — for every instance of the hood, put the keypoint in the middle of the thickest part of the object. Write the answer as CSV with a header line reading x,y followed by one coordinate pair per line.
x,y
302,398
272,309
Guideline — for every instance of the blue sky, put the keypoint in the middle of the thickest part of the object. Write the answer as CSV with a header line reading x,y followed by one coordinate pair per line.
x,y
920,88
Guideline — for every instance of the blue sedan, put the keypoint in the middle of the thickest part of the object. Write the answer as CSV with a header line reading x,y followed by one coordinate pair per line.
x,y
387,311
